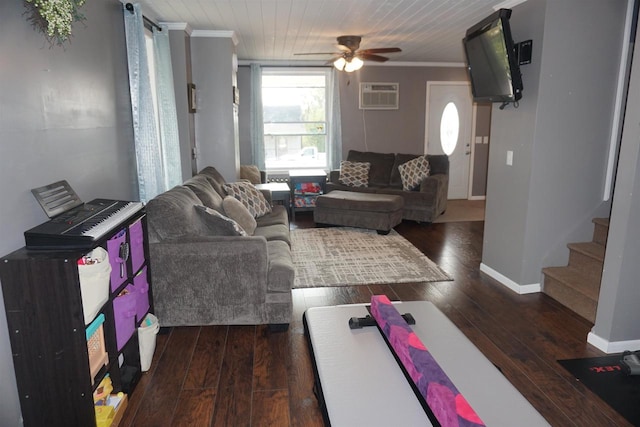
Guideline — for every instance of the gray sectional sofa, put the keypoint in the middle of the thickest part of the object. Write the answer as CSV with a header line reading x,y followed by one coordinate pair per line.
x,y
204,273
424,204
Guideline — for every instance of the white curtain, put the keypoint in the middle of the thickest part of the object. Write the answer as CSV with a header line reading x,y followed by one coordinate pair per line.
x,y
167,116
255,114
335,121
155,160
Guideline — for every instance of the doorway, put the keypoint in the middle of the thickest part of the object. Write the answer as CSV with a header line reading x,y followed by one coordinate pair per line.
x,y
449,130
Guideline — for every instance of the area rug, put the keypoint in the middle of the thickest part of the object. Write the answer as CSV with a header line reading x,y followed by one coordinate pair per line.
x,y
343,256
462,210
603,376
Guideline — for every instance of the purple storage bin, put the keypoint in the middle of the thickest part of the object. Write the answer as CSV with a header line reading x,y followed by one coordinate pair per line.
x,y
141,290
124,313
136,239
117,246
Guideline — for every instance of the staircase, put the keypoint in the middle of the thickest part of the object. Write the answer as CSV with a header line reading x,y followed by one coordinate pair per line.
x,y
577,285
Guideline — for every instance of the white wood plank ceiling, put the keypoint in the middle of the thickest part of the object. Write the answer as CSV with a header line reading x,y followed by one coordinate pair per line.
x,y
272,30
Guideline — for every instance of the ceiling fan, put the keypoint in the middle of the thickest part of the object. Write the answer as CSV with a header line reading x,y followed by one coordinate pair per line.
x,y
350,58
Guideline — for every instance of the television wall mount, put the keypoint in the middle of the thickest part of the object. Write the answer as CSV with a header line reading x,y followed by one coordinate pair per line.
x,y
523,52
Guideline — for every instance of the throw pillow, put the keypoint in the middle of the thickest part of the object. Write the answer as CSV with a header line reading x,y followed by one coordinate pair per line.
x,y
239,213
413,172
251,173
219,224
250,196
354,174
202,187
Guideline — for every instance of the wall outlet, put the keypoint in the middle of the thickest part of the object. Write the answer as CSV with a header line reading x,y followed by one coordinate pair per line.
x,y
509,157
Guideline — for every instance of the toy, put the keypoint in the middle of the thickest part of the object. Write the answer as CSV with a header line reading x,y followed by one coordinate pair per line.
x,y
630,363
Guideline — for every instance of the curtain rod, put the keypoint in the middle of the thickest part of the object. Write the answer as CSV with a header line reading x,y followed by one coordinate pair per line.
x,y
146,20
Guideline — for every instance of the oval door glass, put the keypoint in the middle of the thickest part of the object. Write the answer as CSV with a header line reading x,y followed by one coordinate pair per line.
x,y
449,128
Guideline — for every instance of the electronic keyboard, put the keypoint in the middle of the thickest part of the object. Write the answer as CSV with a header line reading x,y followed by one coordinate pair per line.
x,y
81,227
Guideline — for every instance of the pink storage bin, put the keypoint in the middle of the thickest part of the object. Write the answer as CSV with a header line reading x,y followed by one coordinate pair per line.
x,y
118,249
136,239
124,313
141,290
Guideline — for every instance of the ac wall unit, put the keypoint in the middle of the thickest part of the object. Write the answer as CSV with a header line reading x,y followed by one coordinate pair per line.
x,y
379,96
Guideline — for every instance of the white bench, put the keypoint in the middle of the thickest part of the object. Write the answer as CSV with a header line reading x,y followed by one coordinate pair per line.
x,y
362,385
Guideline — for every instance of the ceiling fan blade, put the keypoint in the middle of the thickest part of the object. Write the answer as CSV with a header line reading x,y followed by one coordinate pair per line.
x,y
371,57
381,50
319,53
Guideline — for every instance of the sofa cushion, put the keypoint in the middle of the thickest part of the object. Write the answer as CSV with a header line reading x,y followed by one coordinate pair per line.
x,y
202,188
396,180
381,164
281,270
278,215
215,178
238,212
250,173
218,224
249,195
413,172
354,174
274,232
439,164
171,215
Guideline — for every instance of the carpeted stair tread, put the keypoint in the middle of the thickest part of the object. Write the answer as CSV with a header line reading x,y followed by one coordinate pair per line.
x,y
563,283
586,284
601,221
589,249
600,230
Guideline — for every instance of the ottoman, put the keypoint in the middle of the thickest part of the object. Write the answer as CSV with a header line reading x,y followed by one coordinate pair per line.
x,y
379,212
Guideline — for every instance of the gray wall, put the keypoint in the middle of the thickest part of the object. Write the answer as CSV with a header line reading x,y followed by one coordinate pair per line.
x,y
216,123
64,114
559,137
389,131
481,151
618,317
180,45
244,130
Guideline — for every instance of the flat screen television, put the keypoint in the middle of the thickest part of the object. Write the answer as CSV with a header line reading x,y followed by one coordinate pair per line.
x,y
492,61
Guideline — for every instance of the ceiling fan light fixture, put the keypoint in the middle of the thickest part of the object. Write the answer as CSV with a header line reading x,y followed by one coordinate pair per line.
x,y
340,63
354,65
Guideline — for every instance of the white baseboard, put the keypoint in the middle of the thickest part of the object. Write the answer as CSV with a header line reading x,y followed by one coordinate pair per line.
x,y
612,346
504,280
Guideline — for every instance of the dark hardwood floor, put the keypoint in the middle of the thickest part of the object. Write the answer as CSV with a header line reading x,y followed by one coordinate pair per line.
x,y
249,376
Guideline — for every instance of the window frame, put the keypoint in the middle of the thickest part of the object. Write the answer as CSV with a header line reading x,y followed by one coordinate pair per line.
x,y
326,73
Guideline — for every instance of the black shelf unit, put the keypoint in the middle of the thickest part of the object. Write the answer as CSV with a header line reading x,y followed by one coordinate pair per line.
x,y
43,302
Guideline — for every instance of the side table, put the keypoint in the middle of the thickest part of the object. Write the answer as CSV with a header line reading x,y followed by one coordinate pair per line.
x,y
301,198
280,192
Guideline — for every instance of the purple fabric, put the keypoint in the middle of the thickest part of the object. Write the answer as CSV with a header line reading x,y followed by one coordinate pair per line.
x,y
445,401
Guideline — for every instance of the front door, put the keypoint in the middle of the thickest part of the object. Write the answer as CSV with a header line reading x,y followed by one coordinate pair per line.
x,y
449,131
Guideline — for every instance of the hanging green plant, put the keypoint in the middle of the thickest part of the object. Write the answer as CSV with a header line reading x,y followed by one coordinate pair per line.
x,y
54,18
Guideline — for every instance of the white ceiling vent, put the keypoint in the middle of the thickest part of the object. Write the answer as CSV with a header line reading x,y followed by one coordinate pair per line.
x,y
379,96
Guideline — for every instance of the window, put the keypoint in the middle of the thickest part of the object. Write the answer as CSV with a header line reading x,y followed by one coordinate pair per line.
x,y
295,118
449,128
151,64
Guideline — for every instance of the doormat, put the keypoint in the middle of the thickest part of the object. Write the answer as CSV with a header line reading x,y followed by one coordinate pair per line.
x,y
604,377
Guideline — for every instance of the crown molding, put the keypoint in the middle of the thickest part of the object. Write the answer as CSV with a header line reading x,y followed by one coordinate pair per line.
x,y
216,33
178,26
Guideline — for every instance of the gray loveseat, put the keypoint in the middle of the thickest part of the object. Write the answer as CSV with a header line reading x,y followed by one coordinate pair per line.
x,y
424,204
204,274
